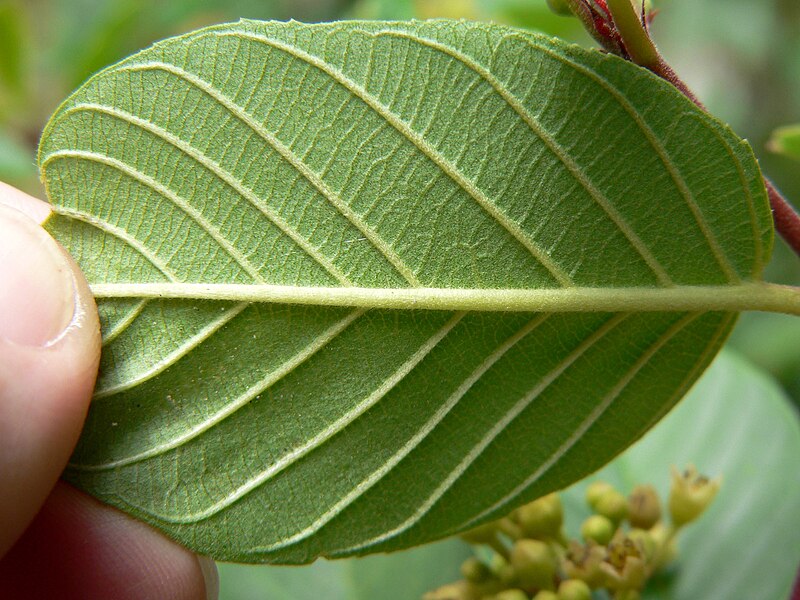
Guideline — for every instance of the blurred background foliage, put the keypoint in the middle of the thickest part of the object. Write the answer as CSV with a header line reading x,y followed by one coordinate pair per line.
x,y
741,57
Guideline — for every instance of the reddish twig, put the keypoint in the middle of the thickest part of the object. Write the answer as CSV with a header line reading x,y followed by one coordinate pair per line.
x,y
787,221
663,70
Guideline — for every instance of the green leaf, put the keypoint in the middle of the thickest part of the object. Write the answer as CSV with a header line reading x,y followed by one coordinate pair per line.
x,y
786,140
736,423
365,285
400,576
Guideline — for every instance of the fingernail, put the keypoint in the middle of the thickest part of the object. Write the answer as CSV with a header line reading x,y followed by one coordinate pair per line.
x,y
37,289
210,576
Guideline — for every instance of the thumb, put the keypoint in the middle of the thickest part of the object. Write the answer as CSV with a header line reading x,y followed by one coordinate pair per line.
x,y
49,353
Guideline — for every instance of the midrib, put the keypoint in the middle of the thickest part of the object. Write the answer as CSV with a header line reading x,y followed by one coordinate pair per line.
x,y
756,296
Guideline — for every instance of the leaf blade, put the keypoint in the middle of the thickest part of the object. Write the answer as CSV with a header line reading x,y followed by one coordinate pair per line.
x,y
387,160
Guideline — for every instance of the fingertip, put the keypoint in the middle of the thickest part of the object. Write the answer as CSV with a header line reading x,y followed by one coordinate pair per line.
x,y
49,354
35,209
78,548
210,577
75,547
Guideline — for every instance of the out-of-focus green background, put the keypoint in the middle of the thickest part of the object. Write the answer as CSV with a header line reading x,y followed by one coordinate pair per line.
x,y
741,57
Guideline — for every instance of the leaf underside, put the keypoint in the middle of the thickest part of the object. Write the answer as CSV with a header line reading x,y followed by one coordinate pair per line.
x,y
383,155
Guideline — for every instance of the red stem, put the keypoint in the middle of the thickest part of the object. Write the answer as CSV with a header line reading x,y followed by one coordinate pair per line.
x,y
663,70
787,221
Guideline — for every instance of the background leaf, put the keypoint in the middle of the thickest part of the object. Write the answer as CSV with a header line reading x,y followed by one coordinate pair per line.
x,y
12,45
423,155
736,422
400,576
786,140
15,164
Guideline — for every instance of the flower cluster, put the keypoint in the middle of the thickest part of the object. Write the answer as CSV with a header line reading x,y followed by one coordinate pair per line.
x,y
625,542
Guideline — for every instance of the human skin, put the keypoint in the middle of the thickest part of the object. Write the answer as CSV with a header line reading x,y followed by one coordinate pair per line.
x,y
55,541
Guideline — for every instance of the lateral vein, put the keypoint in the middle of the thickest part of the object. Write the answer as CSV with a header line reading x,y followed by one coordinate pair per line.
x,y
422,145
591,419
719,254
120,234
186,346
112,333
380,245
230,408
223,175
558,151
334,428
162,190
492,434
376,476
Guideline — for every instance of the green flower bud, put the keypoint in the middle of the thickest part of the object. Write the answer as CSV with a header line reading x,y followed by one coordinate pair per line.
x,y
598,528
628,595
542,518
560,7
612,505
507,527
475,570
511,595
502,570
546,595
534,563
690,494
460,590
482,534
583,562
508,575
644,507
664,541
595,491
574,589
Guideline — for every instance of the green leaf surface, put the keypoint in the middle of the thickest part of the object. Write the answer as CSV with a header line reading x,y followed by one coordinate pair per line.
x,y
355,265
736,423
400,576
